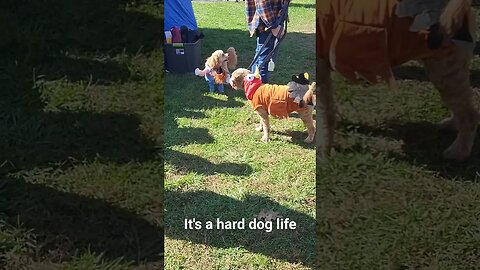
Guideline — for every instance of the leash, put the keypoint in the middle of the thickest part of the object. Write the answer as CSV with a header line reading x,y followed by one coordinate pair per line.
x,y
283,20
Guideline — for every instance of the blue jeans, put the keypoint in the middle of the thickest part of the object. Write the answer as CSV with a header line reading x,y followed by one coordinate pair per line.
x,y
211,84
266,49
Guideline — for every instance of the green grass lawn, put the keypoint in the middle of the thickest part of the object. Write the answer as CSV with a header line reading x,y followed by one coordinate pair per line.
x,y
217,167
81,126
386,198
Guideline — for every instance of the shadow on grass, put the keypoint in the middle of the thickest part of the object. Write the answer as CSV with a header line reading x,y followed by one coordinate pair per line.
x,y
295,246
191,163
182,136
79,41
76,40
302,5
423,145
418,73
186,102
44,139
298,138
70,222
65,34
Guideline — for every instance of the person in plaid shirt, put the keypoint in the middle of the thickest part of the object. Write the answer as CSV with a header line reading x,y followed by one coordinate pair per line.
x,y
263,17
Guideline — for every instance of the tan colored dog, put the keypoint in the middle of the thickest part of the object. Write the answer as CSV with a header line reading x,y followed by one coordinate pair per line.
x,y
219,60
341,49
270,99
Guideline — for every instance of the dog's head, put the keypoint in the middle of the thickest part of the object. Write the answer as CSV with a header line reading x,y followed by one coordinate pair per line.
x,y
237,78
217,59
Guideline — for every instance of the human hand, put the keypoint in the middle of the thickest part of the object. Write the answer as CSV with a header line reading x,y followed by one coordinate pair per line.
x,y
278,31
197,71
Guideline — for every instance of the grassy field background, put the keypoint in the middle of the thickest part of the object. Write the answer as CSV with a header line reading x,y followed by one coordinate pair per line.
x,y
81,125
386,198
217,167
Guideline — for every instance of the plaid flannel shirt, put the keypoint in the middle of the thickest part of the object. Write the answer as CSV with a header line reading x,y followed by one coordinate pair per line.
x,y
262,15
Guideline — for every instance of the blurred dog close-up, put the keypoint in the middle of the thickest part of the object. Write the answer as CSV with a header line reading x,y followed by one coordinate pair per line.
x,y
365,39
277,100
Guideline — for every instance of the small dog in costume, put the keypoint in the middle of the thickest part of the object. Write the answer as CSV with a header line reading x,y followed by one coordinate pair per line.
x,y
276,100
217,66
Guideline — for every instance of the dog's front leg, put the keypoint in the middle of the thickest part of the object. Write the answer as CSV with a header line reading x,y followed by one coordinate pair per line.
x,y
307,118
265,124
325,111
259,127
451,76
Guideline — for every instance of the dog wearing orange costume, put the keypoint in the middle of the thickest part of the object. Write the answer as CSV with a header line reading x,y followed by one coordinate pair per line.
x,y
275,100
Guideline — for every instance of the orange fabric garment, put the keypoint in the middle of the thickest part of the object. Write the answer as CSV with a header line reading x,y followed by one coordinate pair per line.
x,y
274,98
365,37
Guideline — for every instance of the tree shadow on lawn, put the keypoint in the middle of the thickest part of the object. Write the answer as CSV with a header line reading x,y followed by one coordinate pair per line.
x,y
64,39
295,246
302,5
188,100
66,222
192,163
52,137
76,39
418,73
423,145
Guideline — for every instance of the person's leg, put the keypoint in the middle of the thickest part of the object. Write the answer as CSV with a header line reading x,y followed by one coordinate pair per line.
x,y
211,83
220,88
265,48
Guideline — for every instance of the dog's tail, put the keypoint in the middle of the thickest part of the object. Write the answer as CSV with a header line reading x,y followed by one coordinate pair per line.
x,y
309,97
232,58
455,14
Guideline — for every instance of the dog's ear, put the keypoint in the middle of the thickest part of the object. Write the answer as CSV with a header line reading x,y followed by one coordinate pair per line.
x,y
232,58
211,61
309,97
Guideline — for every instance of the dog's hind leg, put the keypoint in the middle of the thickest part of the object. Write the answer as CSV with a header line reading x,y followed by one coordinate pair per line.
x,y
326,112
451,76
265,123
307,118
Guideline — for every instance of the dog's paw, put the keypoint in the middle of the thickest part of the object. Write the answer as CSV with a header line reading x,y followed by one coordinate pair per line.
x,y
456,152
265,139
259,127
309,139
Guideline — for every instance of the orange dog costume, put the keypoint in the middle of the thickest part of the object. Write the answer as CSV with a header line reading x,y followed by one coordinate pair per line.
x,y
273,98
367,38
